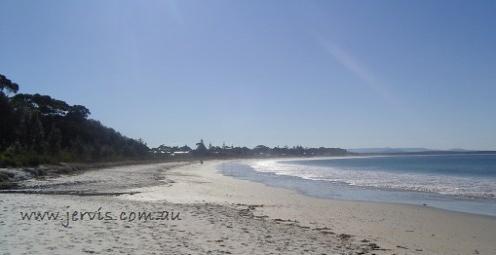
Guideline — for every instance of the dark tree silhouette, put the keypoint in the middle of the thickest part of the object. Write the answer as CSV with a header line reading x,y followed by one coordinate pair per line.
x,y
201,149
78,112
8,85
37,128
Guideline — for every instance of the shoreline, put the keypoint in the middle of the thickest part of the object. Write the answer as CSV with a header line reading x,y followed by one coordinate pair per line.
x,y
204,228
224,215
347,190
493,217
393,226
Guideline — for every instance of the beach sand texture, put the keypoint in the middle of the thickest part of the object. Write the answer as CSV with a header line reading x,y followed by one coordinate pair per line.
x,y
223,215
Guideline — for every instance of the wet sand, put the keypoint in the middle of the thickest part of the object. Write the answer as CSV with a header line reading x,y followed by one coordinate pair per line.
x,y
223,215
400,229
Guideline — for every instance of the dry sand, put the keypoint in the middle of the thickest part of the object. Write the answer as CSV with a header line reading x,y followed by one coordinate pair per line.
x,y
401,229
223,215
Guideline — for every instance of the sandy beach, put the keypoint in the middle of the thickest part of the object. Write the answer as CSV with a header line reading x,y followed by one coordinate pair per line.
x,y
208,213
248,127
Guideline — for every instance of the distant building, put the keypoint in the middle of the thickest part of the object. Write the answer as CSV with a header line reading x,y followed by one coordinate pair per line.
x,y
179,153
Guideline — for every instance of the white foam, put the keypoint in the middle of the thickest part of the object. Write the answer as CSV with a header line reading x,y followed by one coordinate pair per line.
x,y
442,184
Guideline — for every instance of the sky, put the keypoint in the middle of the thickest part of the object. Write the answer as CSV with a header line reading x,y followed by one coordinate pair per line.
x,y
344,74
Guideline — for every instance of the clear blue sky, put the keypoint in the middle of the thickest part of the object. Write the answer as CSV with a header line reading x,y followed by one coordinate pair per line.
x,y
317,73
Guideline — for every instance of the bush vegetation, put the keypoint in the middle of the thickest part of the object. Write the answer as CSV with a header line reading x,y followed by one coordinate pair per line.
x,y
37,129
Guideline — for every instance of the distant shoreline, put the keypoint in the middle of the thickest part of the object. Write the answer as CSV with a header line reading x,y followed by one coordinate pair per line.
x,y
10,175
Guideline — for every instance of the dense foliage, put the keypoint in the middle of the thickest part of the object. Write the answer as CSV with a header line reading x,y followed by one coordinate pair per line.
x,y
39,129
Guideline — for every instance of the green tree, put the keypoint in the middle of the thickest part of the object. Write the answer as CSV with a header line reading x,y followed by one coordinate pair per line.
x,y
54,139
37,128
78,112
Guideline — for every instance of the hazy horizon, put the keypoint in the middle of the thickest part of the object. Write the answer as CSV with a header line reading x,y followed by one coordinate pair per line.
x,y
347,74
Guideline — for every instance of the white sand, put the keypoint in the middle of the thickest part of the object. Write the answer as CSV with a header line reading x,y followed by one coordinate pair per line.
x,y
404,229
223,215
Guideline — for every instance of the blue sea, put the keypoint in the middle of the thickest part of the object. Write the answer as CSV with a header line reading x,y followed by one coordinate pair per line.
x,y
464,183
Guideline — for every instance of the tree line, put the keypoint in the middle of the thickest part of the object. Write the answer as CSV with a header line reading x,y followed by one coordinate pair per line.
x,y
224,151
37,129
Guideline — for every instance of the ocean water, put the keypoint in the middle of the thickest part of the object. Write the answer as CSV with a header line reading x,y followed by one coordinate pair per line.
x,y
465,183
